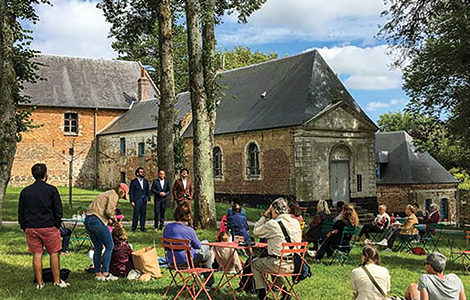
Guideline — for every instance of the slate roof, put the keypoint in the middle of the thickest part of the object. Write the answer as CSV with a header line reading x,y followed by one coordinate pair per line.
x,y
405,164
86,83
296,89
143,115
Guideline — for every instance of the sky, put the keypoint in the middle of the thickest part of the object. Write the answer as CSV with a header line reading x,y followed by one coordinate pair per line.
x,y
343,31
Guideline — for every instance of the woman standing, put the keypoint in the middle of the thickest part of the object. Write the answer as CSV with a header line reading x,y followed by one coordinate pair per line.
x,y
101,212
362,285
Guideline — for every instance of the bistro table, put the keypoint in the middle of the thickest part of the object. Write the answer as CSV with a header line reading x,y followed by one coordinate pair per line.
x,y
226,276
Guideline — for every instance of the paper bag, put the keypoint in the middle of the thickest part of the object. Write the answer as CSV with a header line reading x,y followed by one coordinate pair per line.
x,y
146,260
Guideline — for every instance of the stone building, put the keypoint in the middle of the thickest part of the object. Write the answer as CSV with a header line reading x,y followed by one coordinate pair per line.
x,y
77,98
407,176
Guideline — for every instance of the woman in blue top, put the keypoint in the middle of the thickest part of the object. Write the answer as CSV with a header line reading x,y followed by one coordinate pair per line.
x,y
202,254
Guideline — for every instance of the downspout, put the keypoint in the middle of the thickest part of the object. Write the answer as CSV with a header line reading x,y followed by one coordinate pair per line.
x,y
95,165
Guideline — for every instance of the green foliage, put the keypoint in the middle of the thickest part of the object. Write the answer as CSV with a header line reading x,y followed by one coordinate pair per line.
x,y
240,57
462,176
429,134
432,38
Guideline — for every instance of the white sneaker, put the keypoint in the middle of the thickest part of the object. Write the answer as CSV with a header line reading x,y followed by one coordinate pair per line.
x,y
382,242
110,277
312,253
99,278
39,286
62,284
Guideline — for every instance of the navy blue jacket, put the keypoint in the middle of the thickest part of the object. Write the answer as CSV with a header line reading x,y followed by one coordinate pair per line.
x,y
136,193
157,188
39,206
239,225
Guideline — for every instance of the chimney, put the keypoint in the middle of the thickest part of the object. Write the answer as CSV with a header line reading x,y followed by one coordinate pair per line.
x,y
143,84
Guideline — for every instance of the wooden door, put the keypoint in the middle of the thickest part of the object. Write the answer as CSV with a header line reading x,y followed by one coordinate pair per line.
x,y
339,171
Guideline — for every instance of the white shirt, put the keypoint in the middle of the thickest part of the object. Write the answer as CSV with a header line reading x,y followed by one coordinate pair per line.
x,y
363,286
162,182
141,181
184,183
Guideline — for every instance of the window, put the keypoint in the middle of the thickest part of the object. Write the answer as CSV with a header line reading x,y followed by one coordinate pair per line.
x,y
71,123
123,177
444,209
142,149
359,182
427,204
253,161
123,146
217,161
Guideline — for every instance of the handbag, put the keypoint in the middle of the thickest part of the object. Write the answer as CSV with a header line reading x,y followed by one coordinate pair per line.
x,y
146,261
303,273
393,297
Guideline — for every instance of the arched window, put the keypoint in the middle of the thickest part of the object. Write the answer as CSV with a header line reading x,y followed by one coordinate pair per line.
x,y
444,209
253,160
217,161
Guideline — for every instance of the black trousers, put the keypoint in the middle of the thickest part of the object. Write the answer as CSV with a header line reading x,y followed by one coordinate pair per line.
x,y
140,212
159,211
369,228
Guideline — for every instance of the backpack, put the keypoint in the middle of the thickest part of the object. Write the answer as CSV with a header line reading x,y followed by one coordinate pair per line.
x,y
48,277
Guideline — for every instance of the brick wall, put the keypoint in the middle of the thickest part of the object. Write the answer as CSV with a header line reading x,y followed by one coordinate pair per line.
x,y
276,163
112,162
49,144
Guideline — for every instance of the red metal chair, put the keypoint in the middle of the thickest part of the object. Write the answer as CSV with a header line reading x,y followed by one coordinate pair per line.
x,y
186,274
288,251
465,254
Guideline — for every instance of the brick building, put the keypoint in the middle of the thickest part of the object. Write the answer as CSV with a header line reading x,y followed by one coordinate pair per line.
x,y
77,98
407,176
287,127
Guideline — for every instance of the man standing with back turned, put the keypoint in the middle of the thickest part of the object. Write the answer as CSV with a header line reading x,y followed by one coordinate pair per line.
x,y
40,216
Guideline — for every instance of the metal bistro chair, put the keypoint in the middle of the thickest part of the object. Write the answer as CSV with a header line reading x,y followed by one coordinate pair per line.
x,y
464,253
342,252
288,250
432,237
188,275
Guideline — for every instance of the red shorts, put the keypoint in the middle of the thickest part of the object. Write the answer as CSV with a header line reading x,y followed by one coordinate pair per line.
x,y
38,238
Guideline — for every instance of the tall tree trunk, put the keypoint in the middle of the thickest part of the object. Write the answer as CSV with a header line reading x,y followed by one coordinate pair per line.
x,y
204,202
166,112
7,103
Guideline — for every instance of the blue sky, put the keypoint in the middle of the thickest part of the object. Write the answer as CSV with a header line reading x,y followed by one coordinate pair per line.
x,y
341,30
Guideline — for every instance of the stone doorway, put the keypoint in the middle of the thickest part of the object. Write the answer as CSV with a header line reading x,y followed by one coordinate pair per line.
x,y
339,174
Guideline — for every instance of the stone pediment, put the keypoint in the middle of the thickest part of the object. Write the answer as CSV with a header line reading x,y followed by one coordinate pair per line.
x,y
340,117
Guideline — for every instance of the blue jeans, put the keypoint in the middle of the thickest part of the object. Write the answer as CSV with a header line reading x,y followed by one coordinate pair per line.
x,y
100,235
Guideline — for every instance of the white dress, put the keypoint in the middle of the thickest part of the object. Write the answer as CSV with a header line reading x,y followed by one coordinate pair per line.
x,y
363,286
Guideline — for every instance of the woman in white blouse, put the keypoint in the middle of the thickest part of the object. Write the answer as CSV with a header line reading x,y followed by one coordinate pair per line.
x,y
361,284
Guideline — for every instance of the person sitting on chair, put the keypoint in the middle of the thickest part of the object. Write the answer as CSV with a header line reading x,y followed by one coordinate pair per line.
x,y
314,231
432,217
434,285
380,223
296,213
407,229
238,223
348,218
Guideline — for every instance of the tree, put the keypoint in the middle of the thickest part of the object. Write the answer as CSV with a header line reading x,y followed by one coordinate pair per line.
x,y
429,134
432,40
16,68
242,56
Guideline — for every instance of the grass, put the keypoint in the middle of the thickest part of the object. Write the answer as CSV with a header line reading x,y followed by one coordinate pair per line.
x,y
81,198
327,282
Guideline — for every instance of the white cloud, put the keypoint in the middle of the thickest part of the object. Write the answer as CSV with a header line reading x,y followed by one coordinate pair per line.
x,y
74,28
281,20
363,68
378,105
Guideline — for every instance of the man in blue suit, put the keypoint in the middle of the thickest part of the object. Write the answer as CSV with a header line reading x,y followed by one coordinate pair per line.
x,y
161,190
139,195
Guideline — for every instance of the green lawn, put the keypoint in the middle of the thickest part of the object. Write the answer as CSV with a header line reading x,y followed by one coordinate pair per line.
x,y
81,198
327,282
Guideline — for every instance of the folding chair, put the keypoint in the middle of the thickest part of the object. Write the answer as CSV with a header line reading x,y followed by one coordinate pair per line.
x,y
405,242
186,274
465,253
288,250
379,236
432,236
342,252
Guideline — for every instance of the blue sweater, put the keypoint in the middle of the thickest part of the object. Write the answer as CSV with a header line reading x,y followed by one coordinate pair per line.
x,y
179,231
239,224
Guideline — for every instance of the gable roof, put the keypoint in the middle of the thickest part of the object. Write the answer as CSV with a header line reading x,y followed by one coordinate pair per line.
x,y
405,164
295,90
86,83
143,115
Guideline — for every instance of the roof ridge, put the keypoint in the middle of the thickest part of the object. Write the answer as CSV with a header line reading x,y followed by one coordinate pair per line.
x,y
314,51
88,58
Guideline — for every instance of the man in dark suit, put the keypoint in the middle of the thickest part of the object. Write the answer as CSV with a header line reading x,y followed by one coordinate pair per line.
x,y
139,195
161,190
183,188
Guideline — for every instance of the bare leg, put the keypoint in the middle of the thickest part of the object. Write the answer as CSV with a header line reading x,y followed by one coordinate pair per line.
x,y
37,266
412,293
55,266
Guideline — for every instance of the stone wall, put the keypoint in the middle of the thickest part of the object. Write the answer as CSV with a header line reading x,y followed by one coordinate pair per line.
x,y
276,163
397,196
49,144
464,197
112,162
315,144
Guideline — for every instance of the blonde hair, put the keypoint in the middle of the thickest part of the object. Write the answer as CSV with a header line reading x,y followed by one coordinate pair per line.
x,y
383,206
350,213
322,207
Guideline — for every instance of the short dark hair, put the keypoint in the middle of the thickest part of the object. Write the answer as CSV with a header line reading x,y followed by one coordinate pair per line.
x,y
138,169
294,208
416,204
183,213
159,170
39,171
339,205
184,169
237,208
